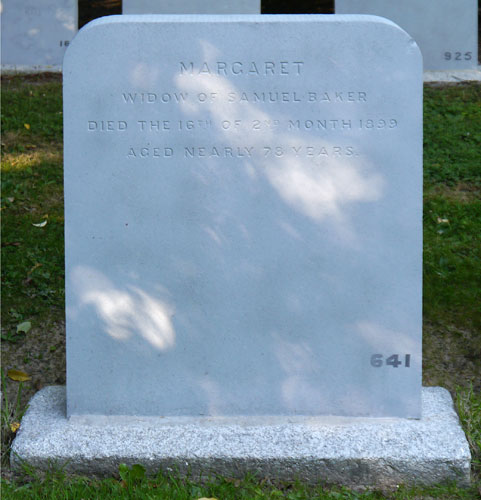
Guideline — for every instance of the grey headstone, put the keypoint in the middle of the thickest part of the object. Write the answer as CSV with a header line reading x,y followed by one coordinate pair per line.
x,y
243,216
445,30
36,33
191,7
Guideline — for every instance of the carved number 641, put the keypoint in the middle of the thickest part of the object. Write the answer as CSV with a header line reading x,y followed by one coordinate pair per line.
x,y
377,360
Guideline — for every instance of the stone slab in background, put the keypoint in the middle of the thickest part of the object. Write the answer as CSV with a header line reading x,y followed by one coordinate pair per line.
x,y
243,203
445,30
191,7
36,33
352,452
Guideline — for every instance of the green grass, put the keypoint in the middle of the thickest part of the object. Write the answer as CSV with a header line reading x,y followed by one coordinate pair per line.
x,y
33,275
452,261
452,135
38,104
468,404
32,192
57,485
452,206
11,414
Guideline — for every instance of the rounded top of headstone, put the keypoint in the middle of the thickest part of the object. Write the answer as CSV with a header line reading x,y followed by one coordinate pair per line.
x,y
377,22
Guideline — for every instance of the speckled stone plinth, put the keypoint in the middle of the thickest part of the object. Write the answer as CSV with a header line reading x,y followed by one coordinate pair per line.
x,y
350,451
453,76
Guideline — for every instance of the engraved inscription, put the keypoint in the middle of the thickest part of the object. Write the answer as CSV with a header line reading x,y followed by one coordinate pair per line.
x,y
106,125
338,124
235,125
219,151
150,152
322,97
222,120
235,68
153,97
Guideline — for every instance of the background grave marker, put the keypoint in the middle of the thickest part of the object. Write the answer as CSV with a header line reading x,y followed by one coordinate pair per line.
x,y
190,7
35,34
445,30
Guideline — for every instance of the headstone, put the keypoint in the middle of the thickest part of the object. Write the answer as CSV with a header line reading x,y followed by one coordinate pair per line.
x,y
36,33
191,7
445,30
243,216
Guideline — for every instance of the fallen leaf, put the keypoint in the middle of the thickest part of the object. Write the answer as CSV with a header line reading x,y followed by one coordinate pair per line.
x,y
18,375
36,266
11,199
40,224
10,243
14,426
24,327
27,126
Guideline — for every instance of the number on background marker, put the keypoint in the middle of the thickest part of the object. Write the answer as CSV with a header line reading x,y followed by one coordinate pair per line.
x,y
458,56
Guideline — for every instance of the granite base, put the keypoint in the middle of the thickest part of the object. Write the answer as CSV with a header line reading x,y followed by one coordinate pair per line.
x,y
351,451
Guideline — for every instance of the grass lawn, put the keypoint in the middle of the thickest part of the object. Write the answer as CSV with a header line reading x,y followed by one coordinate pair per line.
x,y
33,327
